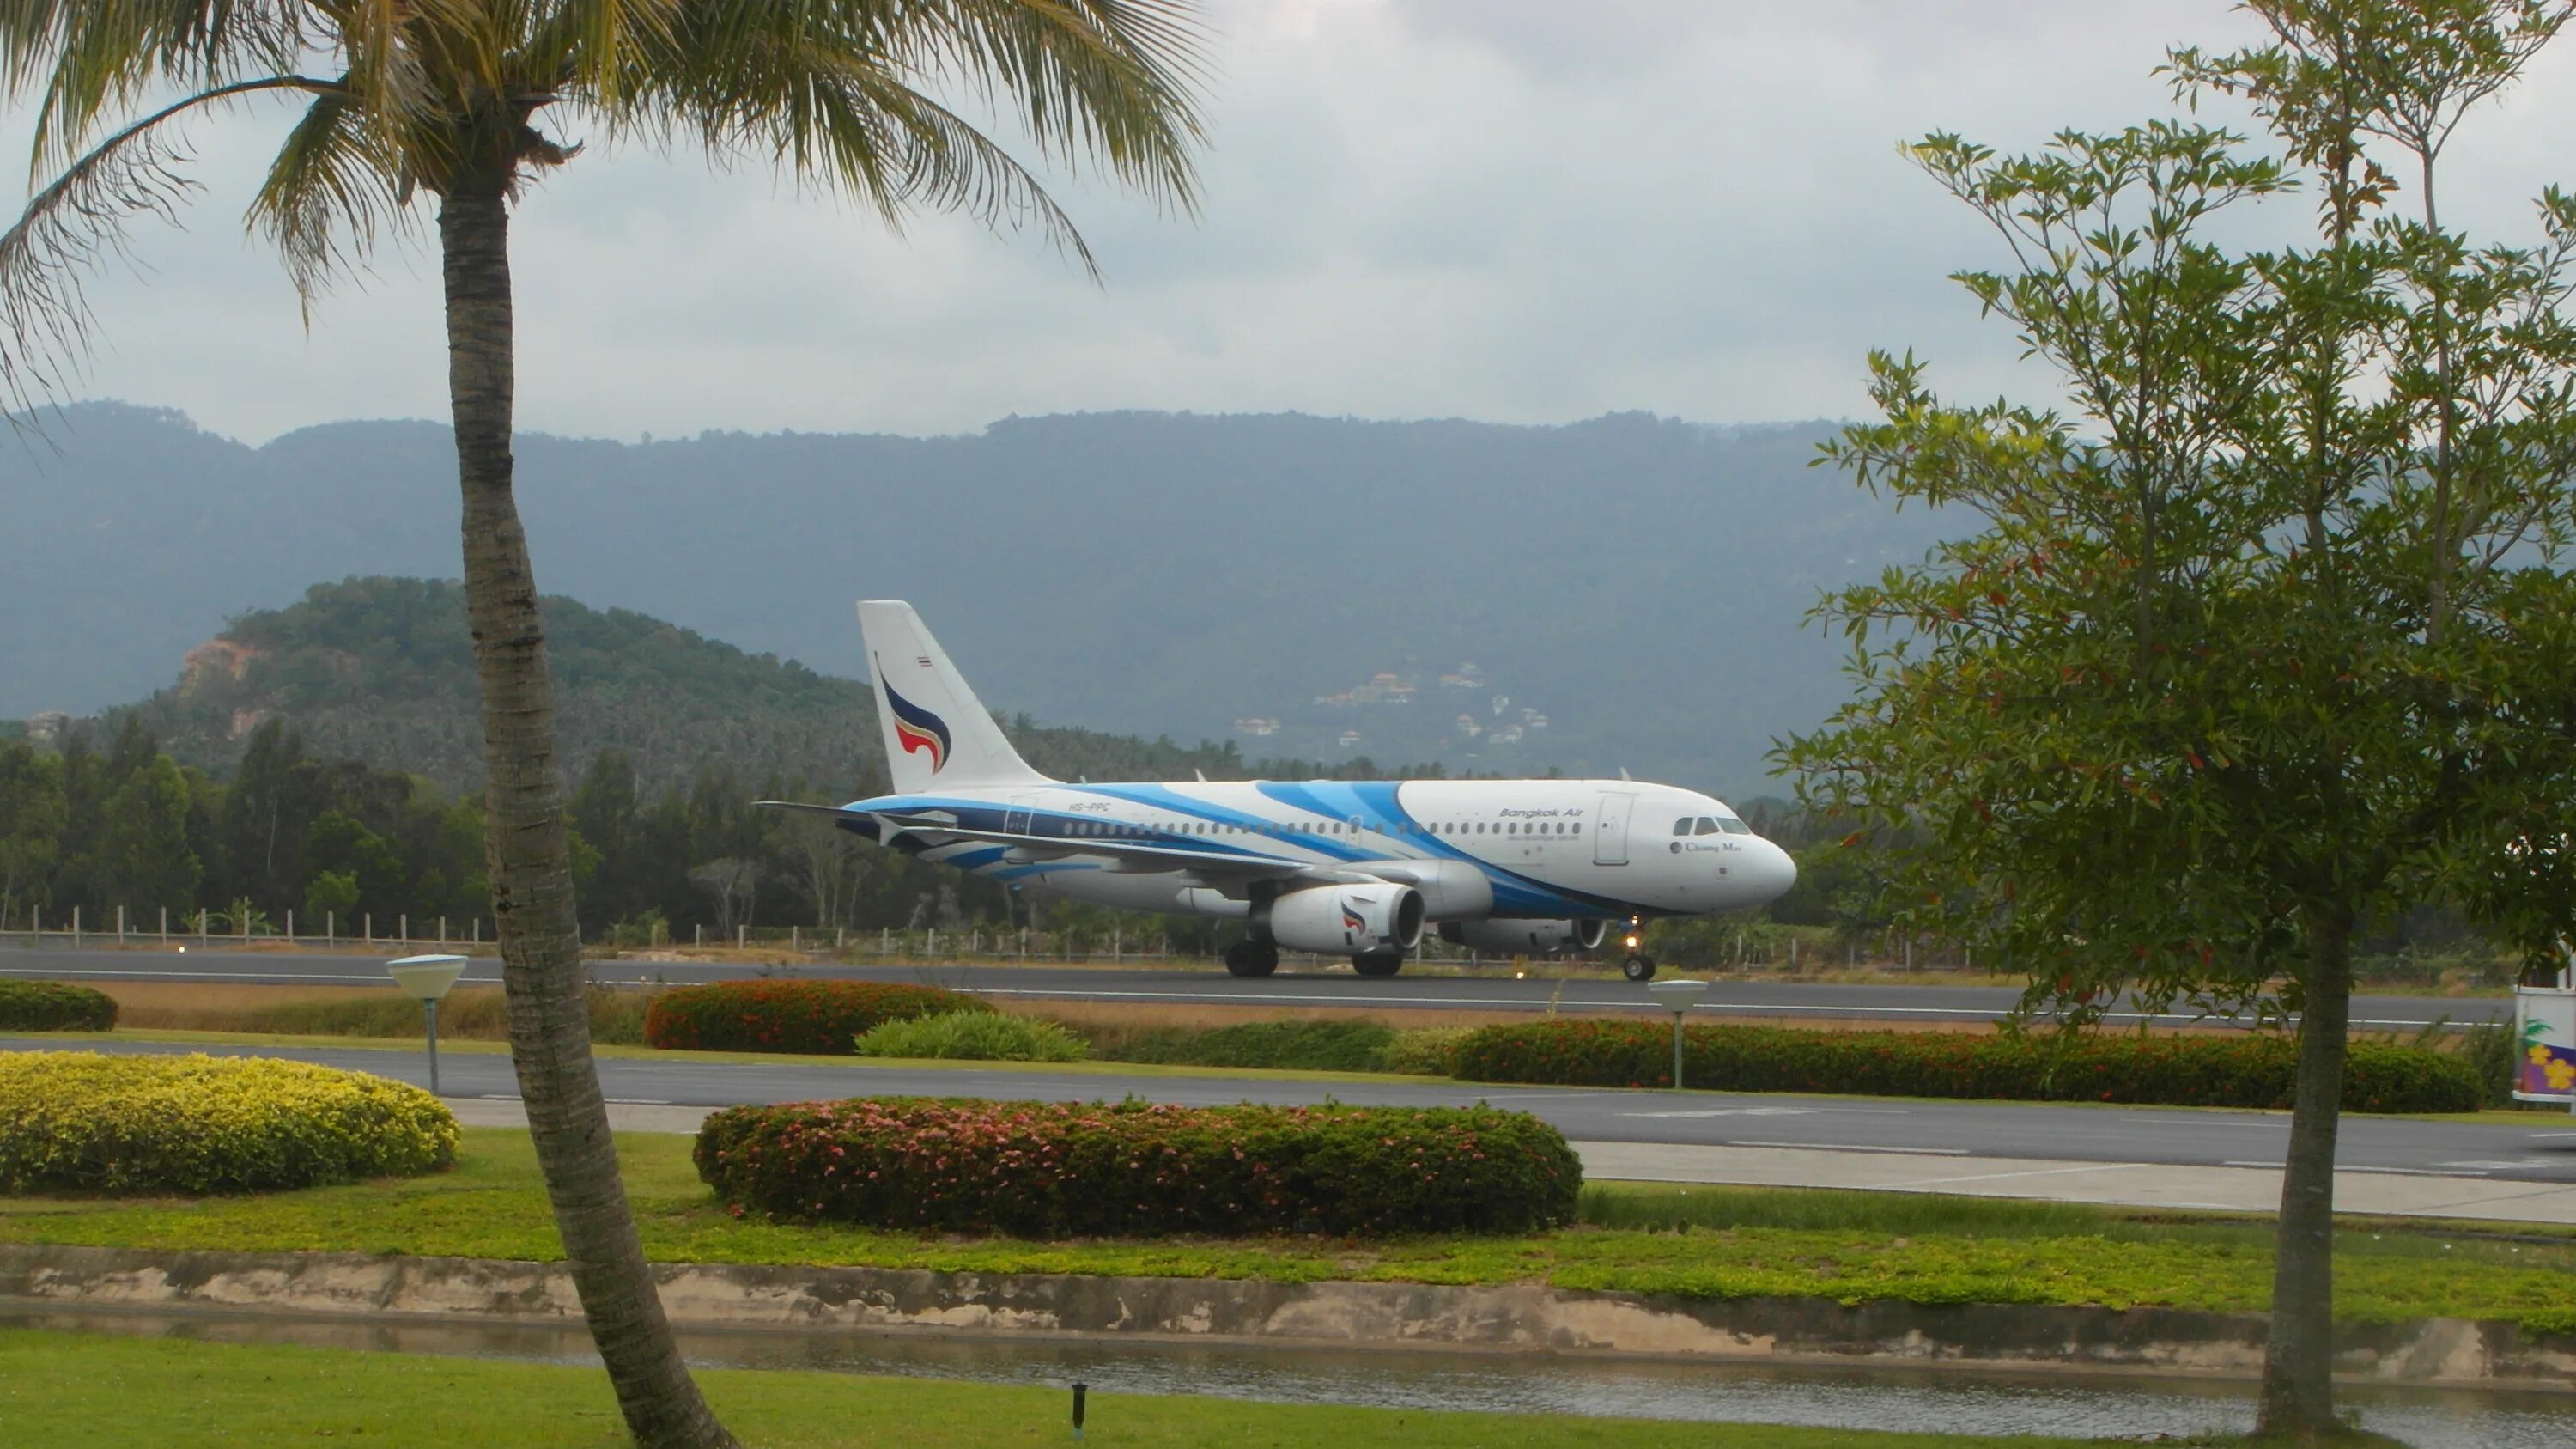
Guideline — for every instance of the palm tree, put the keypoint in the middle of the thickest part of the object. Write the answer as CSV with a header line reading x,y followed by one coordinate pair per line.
x,y
405,100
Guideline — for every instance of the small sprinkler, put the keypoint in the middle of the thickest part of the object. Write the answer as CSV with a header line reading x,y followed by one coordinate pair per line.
x,y
1079,1389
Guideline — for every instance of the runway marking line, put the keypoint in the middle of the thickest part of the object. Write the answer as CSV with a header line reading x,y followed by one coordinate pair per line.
x,y
1850,1147
2040,1172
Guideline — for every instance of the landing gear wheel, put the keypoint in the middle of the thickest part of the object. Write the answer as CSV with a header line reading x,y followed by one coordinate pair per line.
x,y
1251,958
1378,963
1638,968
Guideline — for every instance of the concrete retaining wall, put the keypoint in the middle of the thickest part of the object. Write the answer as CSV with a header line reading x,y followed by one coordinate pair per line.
x,y
1514,1318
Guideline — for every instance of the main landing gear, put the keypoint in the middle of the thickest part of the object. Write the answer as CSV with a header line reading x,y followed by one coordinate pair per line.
x,y
1378,963
1251,958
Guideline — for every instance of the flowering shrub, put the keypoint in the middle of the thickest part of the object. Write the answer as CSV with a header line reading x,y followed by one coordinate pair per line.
x,y
1054,1170
89,1122
54,1006
973,1036
2242,1070
818,1018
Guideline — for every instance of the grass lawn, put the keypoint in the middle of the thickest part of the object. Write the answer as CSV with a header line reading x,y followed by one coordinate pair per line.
x,y
1697,1242
72,1392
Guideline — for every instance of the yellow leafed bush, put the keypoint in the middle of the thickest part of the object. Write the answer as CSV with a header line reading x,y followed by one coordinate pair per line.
x,y
90,1122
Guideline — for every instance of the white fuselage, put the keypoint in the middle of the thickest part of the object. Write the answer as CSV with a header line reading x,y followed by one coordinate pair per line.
x,y
1578,849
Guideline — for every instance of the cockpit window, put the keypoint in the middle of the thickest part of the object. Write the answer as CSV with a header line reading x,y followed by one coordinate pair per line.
x,y
1683,826
1733,826
1706,826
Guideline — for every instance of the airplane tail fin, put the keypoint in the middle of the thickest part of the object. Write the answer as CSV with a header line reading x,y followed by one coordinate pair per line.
x,y
936,732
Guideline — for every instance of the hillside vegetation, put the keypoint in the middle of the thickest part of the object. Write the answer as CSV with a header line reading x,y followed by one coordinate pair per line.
x,y
380,670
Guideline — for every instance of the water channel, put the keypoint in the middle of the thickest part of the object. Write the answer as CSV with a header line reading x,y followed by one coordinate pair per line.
x,y
1831,1396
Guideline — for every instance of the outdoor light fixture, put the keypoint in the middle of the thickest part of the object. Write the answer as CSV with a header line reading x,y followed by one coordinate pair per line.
x,y
1678,995
425,979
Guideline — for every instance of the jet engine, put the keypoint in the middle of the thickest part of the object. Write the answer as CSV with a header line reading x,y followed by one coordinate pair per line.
x,y
1507,937
1350,920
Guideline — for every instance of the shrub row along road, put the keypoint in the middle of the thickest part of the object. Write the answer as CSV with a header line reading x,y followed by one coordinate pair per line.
x,y
1492,990
2543,1152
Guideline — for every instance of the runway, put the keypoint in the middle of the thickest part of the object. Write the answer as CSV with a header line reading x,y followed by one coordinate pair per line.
x,y
2542,1153
1491,991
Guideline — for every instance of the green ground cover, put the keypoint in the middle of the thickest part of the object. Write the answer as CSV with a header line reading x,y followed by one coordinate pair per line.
x,y
1696,1242
75,1392
447,1047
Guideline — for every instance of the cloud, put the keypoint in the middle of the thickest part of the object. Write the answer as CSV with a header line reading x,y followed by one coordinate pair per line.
x,y
1506,209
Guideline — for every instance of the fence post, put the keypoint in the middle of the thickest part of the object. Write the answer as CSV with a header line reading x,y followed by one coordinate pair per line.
x,y
741,936
403,924
884,940
442,930
290,928
368,921
330,928
930,944
1117,944
201,928
75,928
165,925
702,933
795,938
478,930
840,938
1024,943
120,925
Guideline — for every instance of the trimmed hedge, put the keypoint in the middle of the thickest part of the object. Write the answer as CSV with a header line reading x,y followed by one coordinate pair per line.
x,y
1315,1046
815,1018
1057,1170
973,1036
2200,1071
54,1006
93,1123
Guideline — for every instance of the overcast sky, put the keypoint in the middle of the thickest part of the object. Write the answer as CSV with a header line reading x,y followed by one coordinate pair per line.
x,y
1512,210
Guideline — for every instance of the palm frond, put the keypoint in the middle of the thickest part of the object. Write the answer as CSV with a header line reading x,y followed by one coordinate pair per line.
x,y
80,221
328,194
837,92
89,56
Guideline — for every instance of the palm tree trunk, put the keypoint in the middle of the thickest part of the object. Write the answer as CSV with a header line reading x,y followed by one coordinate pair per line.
x,y
527,857
2298,1359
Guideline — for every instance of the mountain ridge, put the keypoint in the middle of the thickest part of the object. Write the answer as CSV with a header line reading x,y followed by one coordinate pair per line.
x,y
1639,581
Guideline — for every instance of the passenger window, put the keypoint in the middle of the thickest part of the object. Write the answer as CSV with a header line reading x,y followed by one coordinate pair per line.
x,y
1578,827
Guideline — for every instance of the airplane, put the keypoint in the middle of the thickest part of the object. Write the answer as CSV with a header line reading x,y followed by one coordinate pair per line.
x,y
1356,868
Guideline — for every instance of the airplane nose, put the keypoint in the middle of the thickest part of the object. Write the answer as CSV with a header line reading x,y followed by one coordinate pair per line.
x,y
1778,871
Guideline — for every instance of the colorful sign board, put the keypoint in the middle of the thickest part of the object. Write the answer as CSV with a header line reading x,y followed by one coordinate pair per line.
x,y
2545,1032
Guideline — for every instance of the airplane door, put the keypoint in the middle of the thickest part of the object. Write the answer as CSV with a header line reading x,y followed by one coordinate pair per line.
x,y
1610,830
1015,821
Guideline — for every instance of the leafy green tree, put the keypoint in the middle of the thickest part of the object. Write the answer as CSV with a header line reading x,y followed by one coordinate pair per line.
x,y
2265,636
331,899
143,851
31,826
339,845
407,101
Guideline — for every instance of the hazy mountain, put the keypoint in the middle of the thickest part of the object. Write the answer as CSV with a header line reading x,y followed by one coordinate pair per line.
x,y
1637,581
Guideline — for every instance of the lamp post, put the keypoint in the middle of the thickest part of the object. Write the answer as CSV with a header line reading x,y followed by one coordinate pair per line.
x,y
1677,996
426,979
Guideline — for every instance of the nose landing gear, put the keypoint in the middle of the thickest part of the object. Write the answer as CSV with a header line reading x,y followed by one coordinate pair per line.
x,y
1639,966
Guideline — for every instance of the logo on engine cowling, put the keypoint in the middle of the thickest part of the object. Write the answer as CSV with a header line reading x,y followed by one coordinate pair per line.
x,y
1353,920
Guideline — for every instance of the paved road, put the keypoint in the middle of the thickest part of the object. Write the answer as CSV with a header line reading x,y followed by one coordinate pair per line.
x,y
2543,1152
1493,991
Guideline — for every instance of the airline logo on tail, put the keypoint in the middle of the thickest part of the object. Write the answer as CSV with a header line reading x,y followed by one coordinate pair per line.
x,y
915,728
